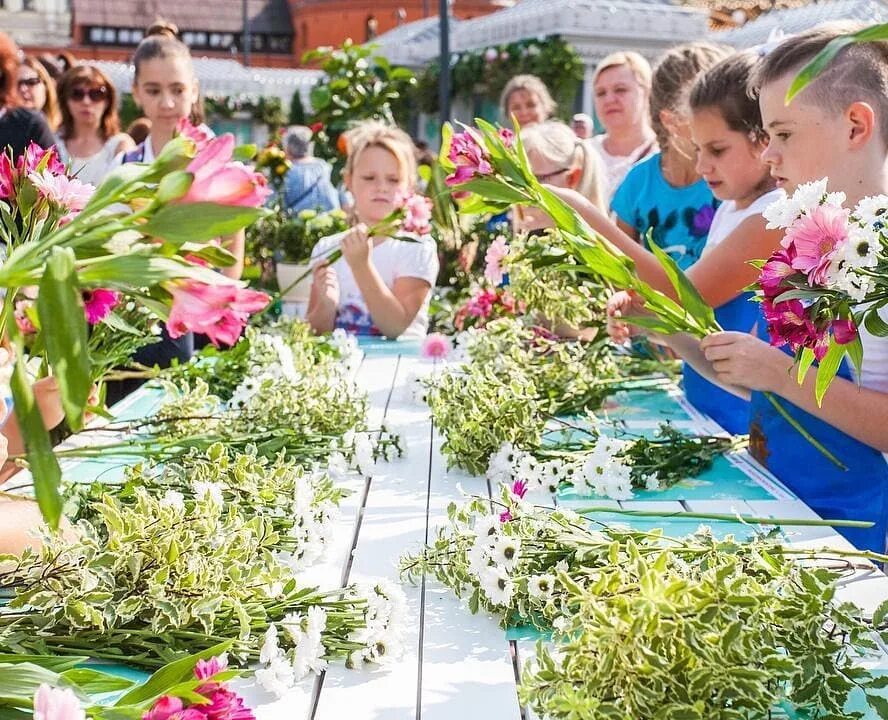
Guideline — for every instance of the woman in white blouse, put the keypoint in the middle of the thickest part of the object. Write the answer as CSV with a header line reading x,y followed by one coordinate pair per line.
x,y
89,139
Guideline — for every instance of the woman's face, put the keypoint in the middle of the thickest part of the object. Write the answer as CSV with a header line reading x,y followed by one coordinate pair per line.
x,y
620,102
87,104
31,89
526,107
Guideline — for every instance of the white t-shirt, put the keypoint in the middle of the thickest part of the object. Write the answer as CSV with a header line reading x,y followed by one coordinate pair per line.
x,y
728,217
392,259
616,166
94,168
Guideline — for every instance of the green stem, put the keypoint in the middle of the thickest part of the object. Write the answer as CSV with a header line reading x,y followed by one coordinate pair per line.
x,y
784,413
728,517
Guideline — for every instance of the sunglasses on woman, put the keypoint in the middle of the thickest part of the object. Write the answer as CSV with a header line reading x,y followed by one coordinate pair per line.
x,y
95,94
29,82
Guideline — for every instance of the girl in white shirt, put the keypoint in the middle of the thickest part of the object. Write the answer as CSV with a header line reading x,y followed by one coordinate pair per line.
x,y
380,285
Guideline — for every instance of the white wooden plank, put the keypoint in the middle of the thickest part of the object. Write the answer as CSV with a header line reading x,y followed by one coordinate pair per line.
x,y
376,377
394,518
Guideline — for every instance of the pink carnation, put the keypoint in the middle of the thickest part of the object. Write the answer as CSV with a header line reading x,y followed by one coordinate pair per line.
x,y
417,214
493,258
98,304
205,669
436,347
66,192
226,705
814,238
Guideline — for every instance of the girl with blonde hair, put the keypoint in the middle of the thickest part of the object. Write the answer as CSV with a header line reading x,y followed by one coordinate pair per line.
x,y
380,285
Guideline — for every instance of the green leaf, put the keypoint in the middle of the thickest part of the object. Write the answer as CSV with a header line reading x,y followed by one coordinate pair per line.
x,y
805,361
828,368
444,152
880,613
50,662
117,180
169,676
196,222
94,682
173,186
64,331
244,153
20,682
879,704
854,349
688,296
874,323
494,190
123,272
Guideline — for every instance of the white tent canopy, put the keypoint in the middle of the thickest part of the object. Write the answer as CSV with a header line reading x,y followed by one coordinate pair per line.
x,y
229,77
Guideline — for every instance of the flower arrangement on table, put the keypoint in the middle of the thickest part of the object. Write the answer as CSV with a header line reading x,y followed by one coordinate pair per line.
x,y
646,626
138,235
828,278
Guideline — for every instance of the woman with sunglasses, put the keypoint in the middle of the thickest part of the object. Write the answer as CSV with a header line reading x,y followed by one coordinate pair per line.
x,y
90,140
19,126
37,91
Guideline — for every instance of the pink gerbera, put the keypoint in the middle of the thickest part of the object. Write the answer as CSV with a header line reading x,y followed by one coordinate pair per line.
x,y
436,347
98,304
493,259
814,238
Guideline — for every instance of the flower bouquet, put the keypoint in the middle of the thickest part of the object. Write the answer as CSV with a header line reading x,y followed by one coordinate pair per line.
x,y
131,235
827,280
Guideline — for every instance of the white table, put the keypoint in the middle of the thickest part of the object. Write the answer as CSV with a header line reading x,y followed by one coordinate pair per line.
x,y
455,664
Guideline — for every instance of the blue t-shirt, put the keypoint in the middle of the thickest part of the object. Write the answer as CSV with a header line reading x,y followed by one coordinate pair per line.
x,y
680,217
307,186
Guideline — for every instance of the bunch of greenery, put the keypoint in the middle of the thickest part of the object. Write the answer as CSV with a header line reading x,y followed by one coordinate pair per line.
x,y
300,504
540,277
358,84
155,579
479,407
285,238
267,109
647,626
486,71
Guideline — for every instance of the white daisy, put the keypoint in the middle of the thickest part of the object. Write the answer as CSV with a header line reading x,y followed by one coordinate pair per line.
x,y
541,587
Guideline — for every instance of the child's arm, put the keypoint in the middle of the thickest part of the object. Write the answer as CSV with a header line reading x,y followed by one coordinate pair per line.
x,y
235,245
324,298
742,359
392,309
719,276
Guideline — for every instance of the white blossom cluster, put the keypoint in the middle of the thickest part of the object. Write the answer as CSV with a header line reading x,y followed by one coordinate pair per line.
x,y
493,557
287,659
784,212
599,471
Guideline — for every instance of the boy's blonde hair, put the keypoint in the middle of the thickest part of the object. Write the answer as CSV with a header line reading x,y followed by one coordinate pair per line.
x,y
531,84
640,67
858,73
558,144
372,133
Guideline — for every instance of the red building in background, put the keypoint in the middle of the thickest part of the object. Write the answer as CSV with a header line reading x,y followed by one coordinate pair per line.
x,y
280,31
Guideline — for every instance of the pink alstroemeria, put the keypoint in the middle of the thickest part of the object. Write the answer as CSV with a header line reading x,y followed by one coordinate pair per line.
x,y
198,134
507,136
493,258
436,347
7,177
33,156
844,331
57,704
98,304
217,179
776,271
519,488
469,157
814,238
417,214
218,311
207,669
789,323
66,192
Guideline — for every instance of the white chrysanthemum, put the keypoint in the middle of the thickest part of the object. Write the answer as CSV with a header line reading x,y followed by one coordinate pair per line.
x,y
836,199
364,453
278,677
810,195
497,586
173,499
204,489
270,648
478,556
507,551
781,213
541,587
487,527
652,482
872,210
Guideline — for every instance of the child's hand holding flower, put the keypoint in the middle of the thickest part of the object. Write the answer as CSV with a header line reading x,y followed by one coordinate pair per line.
x,y
356,245
742,360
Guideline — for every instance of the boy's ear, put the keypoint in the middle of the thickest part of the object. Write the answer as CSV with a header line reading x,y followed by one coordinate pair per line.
x,y
574,176
862,123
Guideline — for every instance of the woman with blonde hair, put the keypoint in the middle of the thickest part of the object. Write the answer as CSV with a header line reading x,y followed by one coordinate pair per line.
x,y
37,91
89,139
621,88
528,100
381,285
558,157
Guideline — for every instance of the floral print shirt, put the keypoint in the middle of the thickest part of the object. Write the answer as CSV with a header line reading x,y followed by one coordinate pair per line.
x,y
679,217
